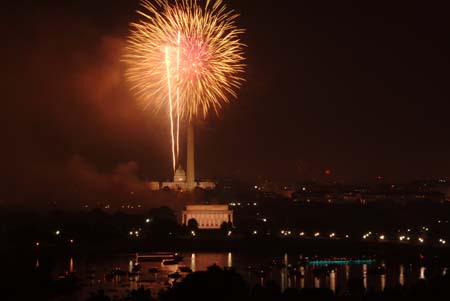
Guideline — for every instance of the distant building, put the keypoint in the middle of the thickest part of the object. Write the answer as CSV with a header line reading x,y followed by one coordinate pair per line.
x,y
180,182
207,216
154,185
282,188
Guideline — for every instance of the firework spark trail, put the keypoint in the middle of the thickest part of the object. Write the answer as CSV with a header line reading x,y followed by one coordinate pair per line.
x,y
204,42
178,96
169,88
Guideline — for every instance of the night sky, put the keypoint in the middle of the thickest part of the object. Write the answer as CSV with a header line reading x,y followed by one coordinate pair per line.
x,y
359,87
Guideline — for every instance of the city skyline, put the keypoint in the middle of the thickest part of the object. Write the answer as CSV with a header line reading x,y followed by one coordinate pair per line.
x,y
358,89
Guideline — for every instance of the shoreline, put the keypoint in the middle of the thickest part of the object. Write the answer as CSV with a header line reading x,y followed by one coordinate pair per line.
x,y
308,247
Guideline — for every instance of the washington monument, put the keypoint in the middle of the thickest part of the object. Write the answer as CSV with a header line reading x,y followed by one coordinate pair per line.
x,y
190,163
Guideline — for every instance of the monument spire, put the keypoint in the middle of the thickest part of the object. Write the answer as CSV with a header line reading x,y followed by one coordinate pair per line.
x,y
190,168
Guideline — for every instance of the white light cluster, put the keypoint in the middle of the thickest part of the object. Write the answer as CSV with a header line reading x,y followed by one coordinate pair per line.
x,y
286,232
367,235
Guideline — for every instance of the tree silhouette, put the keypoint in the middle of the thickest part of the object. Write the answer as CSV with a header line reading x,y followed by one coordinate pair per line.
x,y
212,284
140,294
225,227
192,224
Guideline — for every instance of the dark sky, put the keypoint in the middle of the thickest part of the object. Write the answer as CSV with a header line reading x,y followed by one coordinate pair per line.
x,y
360,87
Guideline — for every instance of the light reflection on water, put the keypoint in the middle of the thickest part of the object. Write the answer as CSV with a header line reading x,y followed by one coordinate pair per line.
x,y
422,273
302,279
193,265
71,270
401,276
364,274
94,271
333,281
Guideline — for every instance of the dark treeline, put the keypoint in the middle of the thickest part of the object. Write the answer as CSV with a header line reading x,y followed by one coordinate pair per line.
x,y
160,227
268,217
84,226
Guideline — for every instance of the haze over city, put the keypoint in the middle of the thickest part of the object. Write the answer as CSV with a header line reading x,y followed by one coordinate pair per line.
x,y
357,88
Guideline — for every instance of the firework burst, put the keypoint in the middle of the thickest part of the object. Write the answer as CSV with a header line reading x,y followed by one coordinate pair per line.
x,y
185,57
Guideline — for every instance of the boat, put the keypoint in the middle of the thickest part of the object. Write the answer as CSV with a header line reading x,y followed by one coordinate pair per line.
x,y
378,270
262,271
119,272
169,262
185,269
339,261
109,276
175,275
294,271
136,267
323,270
278,263
158,256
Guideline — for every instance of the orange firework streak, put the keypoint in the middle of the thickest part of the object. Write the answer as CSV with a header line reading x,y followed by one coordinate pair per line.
x,y
169,88
178,96
204,42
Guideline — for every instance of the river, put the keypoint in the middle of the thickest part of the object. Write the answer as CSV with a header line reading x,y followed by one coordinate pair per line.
x,y
93,272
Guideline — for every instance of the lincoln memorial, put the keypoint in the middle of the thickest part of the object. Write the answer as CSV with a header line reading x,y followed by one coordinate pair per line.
x,y
207,216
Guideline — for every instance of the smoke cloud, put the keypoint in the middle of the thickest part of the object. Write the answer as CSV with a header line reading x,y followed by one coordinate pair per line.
x,y
73,132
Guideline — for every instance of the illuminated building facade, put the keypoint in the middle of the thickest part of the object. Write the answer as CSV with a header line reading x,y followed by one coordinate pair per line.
x,y
180,183
207,216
